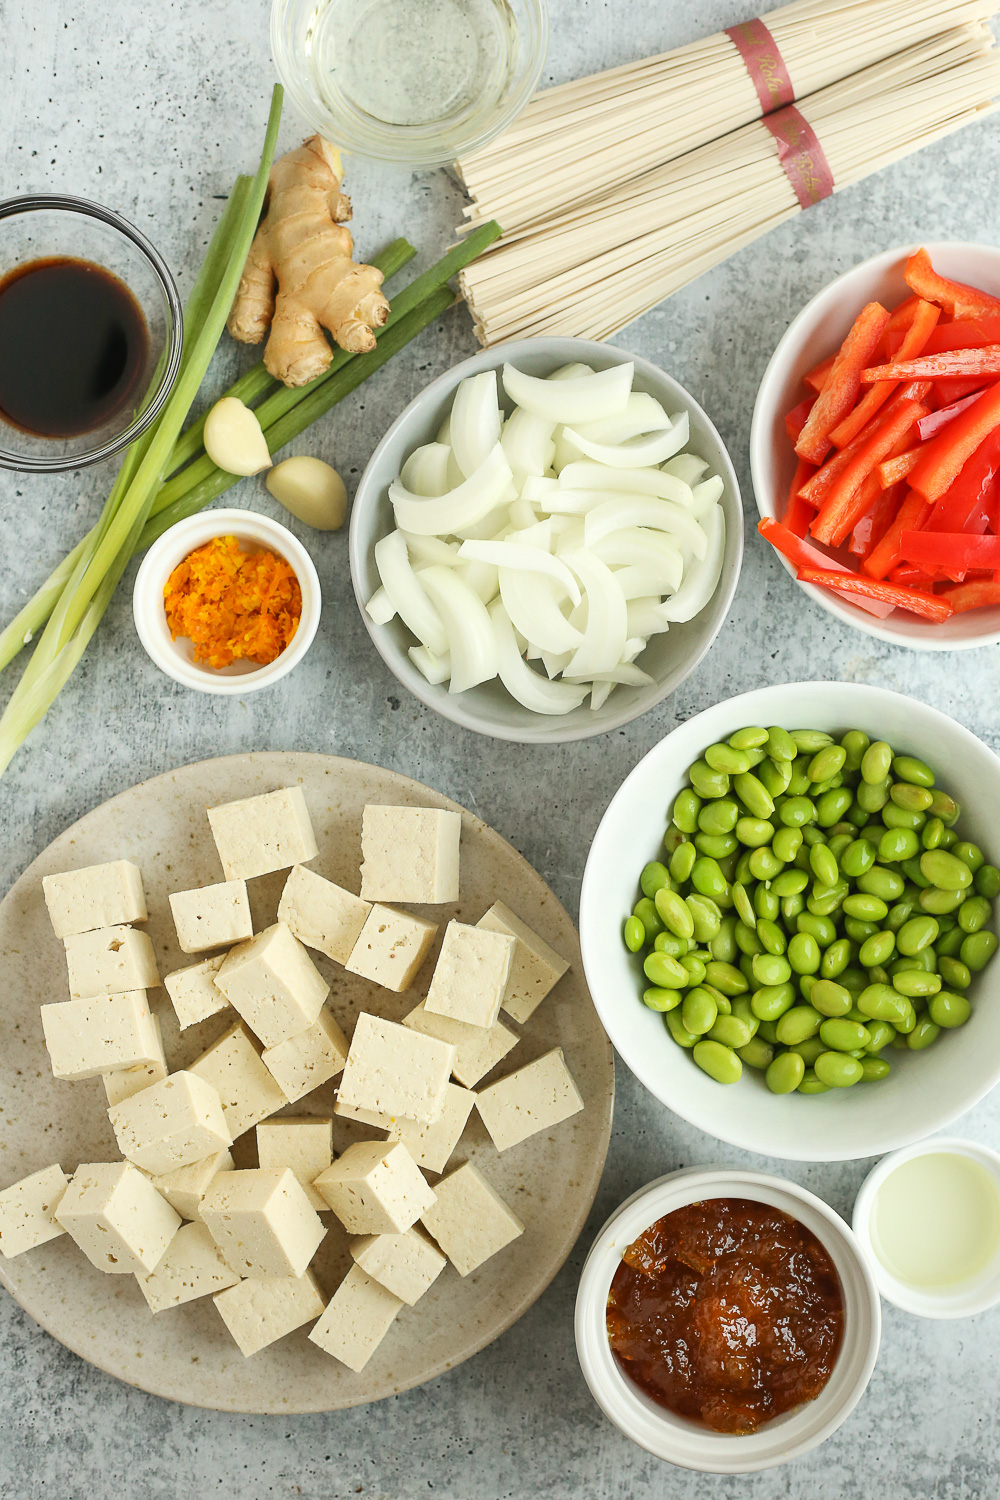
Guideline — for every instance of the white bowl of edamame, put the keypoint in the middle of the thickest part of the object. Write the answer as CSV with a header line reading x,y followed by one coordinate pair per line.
x,y
924,1087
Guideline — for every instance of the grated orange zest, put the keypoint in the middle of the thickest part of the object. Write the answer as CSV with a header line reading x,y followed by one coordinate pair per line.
x,y
233,605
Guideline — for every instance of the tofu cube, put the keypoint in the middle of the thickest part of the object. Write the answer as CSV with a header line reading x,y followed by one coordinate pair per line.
x,y
263,1309
98,896
109,962
88,1037
304,1146
192,1267
114,1214
396,1071
410,854
27,1211
303,1062
470,1221
194,993
233,1067
470,976
261,834
535,967
357,1319
431,1146
322,915
405,1264
534,1098
363,1116
273,984
213,917
477,1049
171,1124
262,1222
122,1083
185,1187
392,946
375,1187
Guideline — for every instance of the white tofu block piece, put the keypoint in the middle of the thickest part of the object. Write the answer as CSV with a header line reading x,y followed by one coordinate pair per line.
x,y
363,1116
27,1211
392,946
233,1067
88,1037
396,1071
470,1221
375,1187
357,1319
98,896
109,962
410,854
273,984
534,1098
114,1214
303,1062
194,993
303,1145
471,974
322,915
535,968
477,1049
431,1146
213,917
122,1083
192,1267
405,1264
262,1222
171,1124
263,1309
185,1187
261,834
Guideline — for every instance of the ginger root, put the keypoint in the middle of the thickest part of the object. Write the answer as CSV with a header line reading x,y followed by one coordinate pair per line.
x,y
300,276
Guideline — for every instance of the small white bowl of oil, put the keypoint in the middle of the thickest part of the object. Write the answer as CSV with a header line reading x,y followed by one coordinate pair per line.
x,y
929,1218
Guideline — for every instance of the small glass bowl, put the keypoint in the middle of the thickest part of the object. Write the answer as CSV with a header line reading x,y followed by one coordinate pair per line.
x,y
44,225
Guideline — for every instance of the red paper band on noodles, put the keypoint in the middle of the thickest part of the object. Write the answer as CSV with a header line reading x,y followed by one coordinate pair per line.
x,y
801,155
764,63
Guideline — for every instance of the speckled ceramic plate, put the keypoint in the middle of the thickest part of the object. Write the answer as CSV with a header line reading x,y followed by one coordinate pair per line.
x,y
186,1353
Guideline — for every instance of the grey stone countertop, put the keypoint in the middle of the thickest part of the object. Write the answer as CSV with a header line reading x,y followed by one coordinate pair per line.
x,y
153,108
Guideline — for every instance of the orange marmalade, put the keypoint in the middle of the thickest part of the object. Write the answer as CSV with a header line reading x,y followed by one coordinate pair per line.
x,y
233,605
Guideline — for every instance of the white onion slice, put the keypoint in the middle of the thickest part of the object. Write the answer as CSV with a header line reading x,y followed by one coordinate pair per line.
x,y
531,605
565,451
380,608
641,414
581,398
425,550
634,646
636,547
437,669
686,466
470,635
475,421
570,372
642,510
405,591
702,575
607,616
706,494
588,475
644,618
625,673
652,578
555,662
463,506
444,432
527,559
527,442
522,515
481,577
426,470
537,693
538,490
600,693
638,453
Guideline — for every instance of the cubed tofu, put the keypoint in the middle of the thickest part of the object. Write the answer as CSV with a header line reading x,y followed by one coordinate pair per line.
x,y
303,1062
303,1145
262,1222
248,1092
28,1209
470,976
171,1124
405,1264
109,962
261,834
431,1146
357,1319
410,854
363,1116
273,984
122,1083
322,915
470,1221
98,896
535,968
88,1037
396,1071
192,1267
477,1049
185,1187
114,1214
263,1309
375,1187
213,917
534,1098
392,946
194,993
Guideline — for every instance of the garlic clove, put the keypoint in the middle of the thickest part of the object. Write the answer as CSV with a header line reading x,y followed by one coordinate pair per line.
x,y
311,490
234,439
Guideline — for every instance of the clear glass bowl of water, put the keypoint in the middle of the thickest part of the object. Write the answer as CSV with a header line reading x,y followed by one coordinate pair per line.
x,y
415,82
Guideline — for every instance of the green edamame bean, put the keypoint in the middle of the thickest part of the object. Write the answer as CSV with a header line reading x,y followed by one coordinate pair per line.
x,y
830,999
949,1010
716,845
977,949
754,794
634,934
873,1068
881,1034
900,817
765,903
649,917
720,816
826,763
726,978
708,879
786,843
940,903
774,775
836,959
899,915
789,883
888,885
662,1000
780,745
821,928
682,863
664,972
670,943
949,943
954,973
677,1029
923,1034
823,864
706,916
932,833
824,900
910,798
791,906
719,1062
770,1002
754,833
876,762
785,1073
877,949
837,1070
945,808
916,982
673,913
684,813
909,1020
880,1002
743,873
917,933
811,1084
803,953
855,743
672,839
808,741
858,857
878,975
694,967
856,815
750,738
969,854
771,968
808,1050
756,1053
897,844
767,1032
917,772
764,865
872,796
739,1007
747,940
731,1032
706,782
798,1024
865,908
653,878
796,812
911,869
837,843
772,936
944,870
805,982
974,913
854,979
987,882
699,1011
840,1035
723,946
726,758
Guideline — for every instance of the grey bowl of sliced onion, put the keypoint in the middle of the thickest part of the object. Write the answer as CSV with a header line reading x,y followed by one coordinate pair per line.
x,y
547,540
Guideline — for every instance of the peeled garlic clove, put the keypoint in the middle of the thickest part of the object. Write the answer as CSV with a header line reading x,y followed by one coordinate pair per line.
x,y
233,438
312,490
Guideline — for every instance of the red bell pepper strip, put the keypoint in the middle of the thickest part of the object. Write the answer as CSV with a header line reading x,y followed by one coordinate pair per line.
x,y
843,383
911,516
912,577
955,297
802,555
816,378
972,494
902,315
870,528
892,470
798,512
931,425
949,389
953,553
972,333
977,595
847,499
942,458
816,489
924,319
958,362
795,419
931,606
